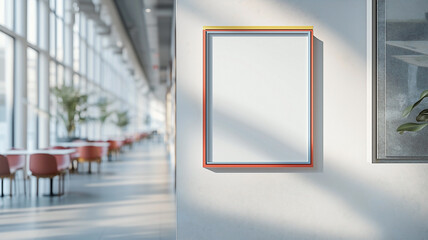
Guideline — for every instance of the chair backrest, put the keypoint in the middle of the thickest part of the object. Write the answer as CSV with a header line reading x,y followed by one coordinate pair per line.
x,y
16,161
4,166
43,164
113,145
104,150
63,161
90,152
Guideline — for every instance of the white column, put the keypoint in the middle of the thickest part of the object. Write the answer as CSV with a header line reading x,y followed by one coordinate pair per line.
x,y
20,86
44,131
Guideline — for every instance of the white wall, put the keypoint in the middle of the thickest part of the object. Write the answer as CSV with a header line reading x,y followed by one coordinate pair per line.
x,y
344,196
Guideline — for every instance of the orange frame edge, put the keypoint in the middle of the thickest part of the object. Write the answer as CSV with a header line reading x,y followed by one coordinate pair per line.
x,y
264,28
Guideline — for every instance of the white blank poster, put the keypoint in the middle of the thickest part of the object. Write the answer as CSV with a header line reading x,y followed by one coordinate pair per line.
x,y
258,97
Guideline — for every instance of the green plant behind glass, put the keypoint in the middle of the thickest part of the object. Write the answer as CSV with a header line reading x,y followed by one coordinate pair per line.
x,y
122,119
72,107
422,117
103,105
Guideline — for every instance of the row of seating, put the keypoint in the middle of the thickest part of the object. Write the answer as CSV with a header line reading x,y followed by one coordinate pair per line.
x,y
50,166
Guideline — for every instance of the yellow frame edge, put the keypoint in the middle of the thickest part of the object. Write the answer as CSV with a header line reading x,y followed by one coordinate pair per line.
x,y
258,27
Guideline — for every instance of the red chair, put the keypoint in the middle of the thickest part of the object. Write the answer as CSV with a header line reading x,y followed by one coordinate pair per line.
x,y
73,156
90,154
114,148
16,163
6,172
46,166
105,150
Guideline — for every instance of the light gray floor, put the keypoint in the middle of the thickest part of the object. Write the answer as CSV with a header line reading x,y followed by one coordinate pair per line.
x,y
132,198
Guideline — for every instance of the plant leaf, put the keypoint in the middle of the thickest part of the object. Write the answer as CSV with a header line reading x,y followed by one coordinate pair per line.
x,y
407,111
411,127
423,116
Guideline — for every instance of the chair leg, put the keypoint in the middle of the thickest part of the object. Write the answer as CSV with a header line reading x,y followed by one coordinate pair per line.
x,y
2,194
89,171
63,183
15,185
37,186
25,183
59,184
99,166
10,185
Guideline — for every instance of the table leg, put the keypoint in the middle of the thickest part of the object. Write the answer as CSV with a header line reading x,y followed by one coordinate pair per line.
x,y
51,194
51,186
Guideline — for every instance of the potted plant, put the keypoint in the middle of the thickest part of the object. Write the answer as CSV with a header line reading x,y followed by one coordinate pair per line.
x,y
421,119
72,108
122,119
103,105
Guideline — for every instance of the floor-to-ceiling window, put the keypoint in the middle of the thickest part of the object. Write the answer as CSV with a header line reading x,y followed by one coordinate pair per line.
x,y
53,44
32,98
6,82
6,13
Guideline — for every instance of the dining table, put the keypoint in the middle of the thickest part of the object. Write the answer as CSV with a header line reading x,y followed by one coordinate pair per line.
x,y
82,144
54,152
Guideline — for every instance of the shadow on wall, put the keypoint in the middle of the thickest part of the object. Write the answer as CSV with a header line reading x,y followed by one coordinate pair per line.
x,y
373,210
271,10
256,138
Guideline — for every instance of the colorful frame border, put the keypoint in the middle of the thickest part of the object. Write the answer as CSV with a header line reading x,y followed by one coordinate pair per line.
x,y
206,30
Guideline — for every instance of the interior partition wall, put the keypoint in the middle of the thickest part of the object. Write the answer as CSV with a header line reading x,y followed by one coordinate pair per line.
x,y
46,44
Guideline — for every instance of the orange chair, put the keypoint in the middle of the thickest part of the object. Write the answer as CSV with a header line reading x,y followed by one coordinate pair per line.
x,y
6,172
46,166
90,154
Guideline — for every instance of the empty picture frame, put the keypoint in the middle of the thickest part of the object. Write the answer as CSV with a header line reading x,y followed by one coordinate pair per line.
x,y
257,97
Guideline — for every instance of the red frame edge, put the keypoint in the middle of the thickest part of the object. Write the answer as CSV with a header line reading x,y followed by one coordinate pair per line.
x,y
204,163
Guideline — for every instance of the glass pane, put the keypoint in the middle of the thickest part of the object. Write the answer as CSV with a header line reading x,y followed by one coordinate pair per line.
x,y
76,81
68,81
52,34
83,88
76,44
6,13
60,76
32,21
60,8
6,81
82,25
52,105
60,40
402,57
91,32
90,64
52,4
32,98
76,23
82,57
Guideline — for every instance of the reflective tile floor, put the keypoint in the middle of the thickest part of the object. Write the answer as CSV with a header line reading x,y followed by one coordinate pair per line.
x,y
132,198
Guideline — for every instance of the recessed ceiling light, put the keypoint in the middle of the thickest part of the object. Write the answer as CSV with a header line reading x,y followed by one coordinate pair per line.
x,y
148,10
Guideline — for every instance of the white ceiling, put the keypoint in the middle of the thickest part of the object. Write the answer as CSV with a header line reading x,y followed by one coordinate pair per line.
x,y
149,26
